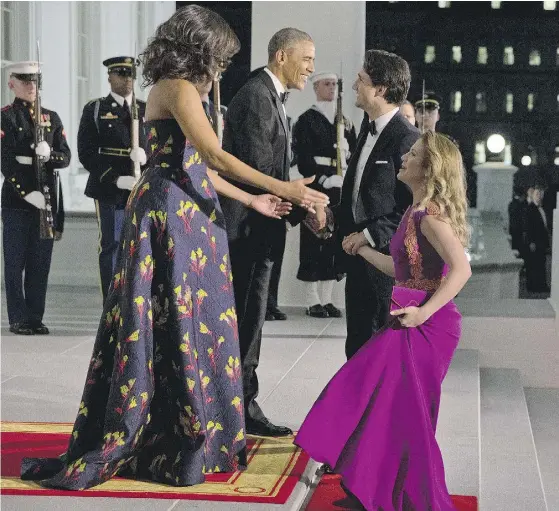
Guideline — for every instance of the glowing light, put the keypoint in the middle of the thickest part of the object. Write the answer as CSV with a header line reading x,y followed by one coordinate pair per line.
x,y
495,143
526,160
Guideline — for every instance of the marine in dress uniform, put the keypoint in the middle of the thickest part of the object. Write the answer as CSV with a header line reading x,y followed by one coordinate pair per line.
x,y
314,137
25,253
104,149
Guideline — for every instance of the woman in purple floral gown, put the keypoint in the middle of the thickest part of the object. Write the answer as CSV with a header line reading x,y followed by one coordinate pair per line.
x,y
375,421
163,398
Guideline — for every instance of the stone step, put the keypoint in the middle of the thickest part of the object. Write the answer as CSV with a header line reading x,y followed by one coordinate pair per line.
x,y
543,407
458,425
510,474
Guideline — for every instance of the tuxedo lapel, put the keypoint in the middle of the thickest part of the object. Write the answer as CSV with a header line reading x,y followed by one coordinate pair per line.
x,y
349,180
265,77
267,80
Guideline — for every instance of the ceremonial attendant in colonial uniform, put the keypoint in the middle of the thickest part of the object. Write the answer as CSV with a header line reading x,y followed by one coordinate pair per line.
x,y
25,252
104,149
315,138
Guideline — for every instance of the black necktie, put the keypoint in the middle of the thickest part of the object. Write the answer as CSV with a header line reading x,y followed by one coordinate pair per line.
x,y
126,114
372,128
283,97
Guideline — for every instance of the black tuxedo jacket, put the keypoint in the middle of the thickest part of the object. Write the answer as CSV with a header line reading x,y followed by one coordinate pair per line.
x,y
535,230
256,132
385,199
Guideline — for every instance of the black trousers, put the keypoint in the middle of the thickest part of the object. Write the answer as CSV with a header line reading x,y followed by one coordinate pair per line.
x,y
367,298
277,260
109,220
536,271
27,261
252,260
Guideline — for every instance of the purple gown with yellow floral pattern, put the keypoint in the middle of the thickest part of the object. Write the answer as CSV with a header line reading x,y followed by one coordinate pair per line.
x,y
163,398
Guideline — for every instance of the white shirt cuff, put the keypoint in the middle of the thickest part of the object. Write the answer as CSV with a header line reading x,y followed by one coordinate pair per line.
x,y
369,237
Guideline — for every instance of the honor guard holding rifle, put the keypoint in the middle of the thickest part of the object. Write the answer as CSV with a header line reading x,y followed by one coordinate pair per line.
x,y
110,147
215,115
427,113
33,146
323,140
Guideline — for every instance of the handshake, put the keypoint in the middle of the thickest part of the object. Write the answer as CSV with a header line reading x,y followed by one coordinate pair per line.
x,y
321,223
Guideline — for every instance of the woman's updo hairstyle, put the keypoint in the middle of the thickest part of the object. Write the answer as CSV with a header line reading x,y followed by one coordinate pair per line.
x,y
193,44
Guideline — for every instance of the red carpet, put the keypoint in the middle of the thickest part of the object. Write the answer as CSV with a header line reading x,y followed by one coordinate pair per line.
x,y
275,467
329,496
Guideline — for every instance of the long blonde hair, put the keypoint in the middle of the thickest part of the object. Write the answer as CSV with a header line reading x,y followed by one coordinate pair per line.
x,y
445,182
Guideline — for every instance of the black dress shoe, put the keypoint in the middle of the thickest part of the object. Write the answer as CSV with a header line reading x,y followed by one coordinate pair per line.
x,y
317,311
269,316
277,314
21,329
266,428
332,310
40,329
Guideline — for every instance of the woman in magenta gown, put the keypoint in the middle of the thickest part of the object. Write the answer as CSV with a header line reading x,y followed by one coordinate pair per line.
x,y
375,421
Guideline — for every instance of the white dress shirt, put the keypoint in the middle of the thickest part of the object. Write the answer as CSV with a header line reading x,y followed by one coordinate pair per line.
x,y
544,217
380,124
120,99
279,87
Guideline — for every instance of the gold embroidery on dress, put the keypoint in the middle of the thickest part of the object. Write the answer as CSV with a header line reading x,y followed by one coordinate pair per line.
x,y
417,280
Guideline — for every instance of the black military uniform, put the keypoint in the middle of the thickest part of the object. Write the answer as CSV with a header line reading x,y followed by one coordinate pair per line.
x,y
104,144
314,139
24,252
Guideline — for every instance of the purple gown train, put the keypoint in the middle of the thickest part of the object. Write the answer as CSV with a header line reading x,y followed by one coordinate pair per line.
x,y
375,421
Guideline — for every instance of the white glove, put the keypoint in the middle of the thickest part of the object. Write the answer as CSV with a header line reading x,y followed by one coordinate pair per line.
x,y
138,155
345,145
37,199
43,150
333,182
126,182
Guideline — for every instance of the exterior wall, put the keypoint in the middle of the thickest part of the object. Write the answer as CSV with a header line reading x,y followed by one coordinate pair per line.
x,y
111,29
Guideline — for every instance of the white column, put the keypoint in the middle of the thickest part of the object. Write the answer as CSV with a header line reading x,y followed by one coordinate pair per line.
x,y
555,260
338,31
494,187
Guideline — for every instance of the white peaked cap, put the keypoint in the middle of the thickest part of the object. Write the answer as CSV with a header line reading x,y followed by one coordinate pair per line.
x,y
323,76
27,67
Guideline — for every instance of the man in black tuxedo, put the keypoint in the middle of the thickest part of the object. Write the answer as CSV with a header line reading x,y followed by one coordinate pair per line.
x,y
256,132
373,200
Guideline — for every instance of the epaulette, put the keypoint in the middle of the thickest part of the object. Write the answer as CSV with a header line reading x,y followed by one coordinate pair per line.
x,y
94,100
4,108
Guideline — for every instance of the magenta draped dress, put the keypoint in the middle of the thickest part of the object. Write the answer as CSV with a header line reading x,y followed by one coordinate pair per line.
x,y
375,421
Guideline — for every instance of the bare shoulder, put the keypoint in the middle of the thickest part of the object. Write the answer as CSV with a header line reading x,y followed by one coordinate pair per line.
x,y
176,86
166,94
434,222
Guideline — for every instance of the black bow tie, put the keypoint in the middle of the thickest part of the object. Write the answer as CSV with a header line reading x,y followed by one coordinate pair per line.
x,y
372,128
283,97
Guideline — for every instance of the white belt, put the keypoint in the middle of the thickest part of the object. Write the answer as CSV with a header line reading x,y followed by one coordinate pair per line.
x,y
24,160
323,160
